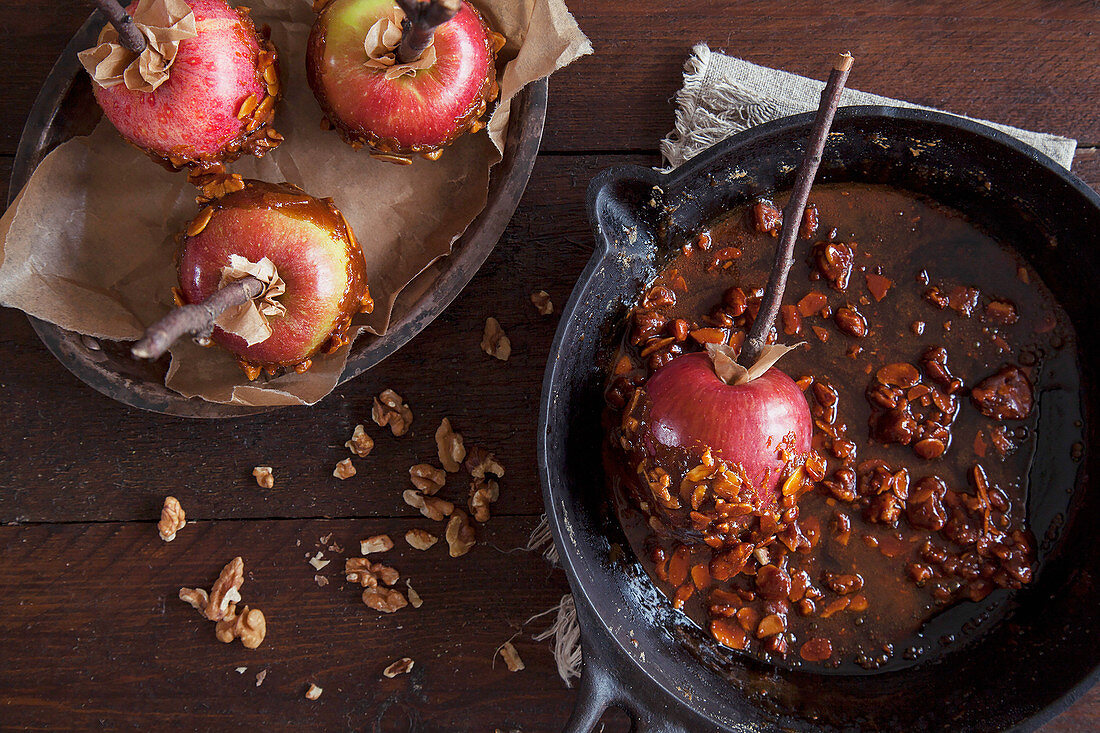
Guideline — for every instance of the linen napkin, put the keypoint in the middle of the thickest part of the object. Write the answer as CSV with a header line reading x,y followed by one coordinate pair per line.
x,y
723,95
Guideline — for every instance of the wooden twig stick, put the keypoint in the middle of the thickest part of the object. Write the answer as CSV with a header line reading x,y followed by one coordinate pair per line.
x,y
128,34
792,213
197,319
422,17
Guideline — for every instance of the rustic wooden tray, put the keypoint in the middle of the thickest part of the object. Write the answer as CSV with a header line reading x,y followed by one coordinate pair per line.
x,y
66,108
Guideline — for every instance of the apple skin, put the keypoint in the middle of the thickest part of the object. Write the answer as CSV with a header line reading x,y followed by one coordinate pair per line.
x,y
192,117
312,248
411,114
691,408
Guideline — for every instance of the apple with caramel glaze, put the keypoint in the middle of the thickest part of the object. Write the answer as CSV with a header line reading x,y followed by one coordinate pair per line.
x,y
217,102
416,90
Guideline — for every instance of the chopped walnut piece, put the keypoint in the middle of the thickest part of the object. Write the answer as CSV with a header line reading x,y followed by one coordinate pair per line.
x,y
377,543
402,666
427,478
226,590
390,409
483,492
511,657
172,519
320,580
384,600
414,597
260,677
452,451
420,539
344,469
494,342
313,691
480,462
249,626
369,574
318,562
197,597
360,444
265,478
460,534
431,507
542,302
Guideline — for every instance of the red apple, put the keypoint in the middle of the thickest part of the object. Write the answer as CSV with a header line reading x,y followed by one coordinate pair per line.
x,y
412,114
691,409
217,102
313,250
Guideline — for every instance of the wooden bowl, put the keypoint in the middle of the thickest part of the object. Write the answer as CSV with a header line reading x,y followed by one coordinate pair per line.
x,y
65,108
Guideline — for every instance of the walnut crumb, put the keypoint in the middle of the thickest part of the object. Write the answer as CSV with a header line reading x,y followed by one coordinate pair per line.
x,y
320,580
541,300
249,626
427,478
414,598
265,478
384,600
226,590
344,469
420,539
511,657
431,507
318,562
451,449
494,342
390,409
260,677
377,543
460,534
360,444
401,666
172,519
313,691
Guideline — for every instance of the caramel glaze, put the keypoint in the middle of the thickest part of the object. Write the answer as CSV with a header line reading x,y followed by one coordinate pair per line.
x,y
388,148
294,202
918,530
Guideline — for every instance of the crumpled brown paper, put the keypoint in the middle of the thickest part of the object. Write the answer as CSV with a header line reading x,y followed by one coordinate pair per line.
x,y
249,320
730,372
88,243
164,23
381,42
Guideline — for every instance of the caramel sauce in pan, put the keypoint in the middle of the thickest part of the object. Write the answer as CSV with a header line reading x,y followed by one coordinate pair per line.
x,y
921,277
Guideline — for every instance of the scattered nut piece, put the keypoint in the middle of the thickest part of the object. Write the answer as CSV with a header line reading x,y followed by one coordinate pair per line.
x,y
324,540
241,670
317,562
264,476
172,519
511,657
226,590
427,478
390,409
384,600
414,597
360,444
401,666
377,543
313,692
480,462
197,597
431,507
368,574
344,469
260,676
250,627
483,492
452,451
542,302
420,539
460,534
494,342
320,580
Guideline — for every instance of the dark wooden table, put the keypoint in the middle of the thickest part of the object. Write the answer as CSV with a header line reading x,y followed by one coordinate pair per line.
x,y
91,632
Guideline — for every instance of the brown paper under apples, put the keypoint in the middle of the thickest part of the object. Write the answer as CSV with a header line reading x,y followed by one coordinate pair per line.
x,y
88,244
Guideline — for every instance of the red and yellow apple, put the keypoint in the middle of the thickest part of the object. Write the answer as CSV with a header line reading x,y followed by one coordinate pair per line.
x,y
417,113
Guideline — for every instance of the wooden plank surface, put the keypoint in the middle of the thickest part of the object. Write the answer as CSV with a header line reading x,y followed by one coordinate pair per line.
x,y
91,634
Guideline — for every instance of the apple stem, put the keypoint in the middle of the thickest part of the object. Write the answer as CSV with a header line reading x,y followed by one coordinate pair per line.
x,y
196,319
128,34
422,17
792,213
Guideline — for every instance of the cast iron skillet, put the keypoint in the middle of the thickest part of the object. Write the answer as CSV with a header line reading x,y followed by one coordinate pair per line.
x,y
645,657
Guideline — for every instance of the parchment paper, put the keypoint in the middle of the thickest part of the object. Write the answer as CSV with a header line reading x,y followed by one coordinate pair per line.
x,y
88,245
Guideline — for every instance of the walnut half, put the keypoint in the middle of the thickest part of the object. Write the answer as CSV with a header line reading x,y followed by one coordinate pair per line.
x,y
172,519
368,574
360,444
226,590
483,492
384,600
249,626
420,539
451,449
460,534
431,507
494,342
427,478
390,409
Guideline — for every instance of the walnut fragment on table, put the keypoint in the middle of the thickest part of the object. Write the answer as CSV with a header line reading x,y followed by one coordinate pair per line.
x,y
420,539
427,478
494,342
265,476
172,519
390,409
541,300
401,666
460,534
360,443
249,626
375,544
344,469
452,450
511,657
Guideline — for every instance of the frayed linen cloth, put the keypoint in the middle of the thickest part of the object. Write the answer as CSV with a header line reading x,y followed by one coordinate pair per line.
x,y
723,95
